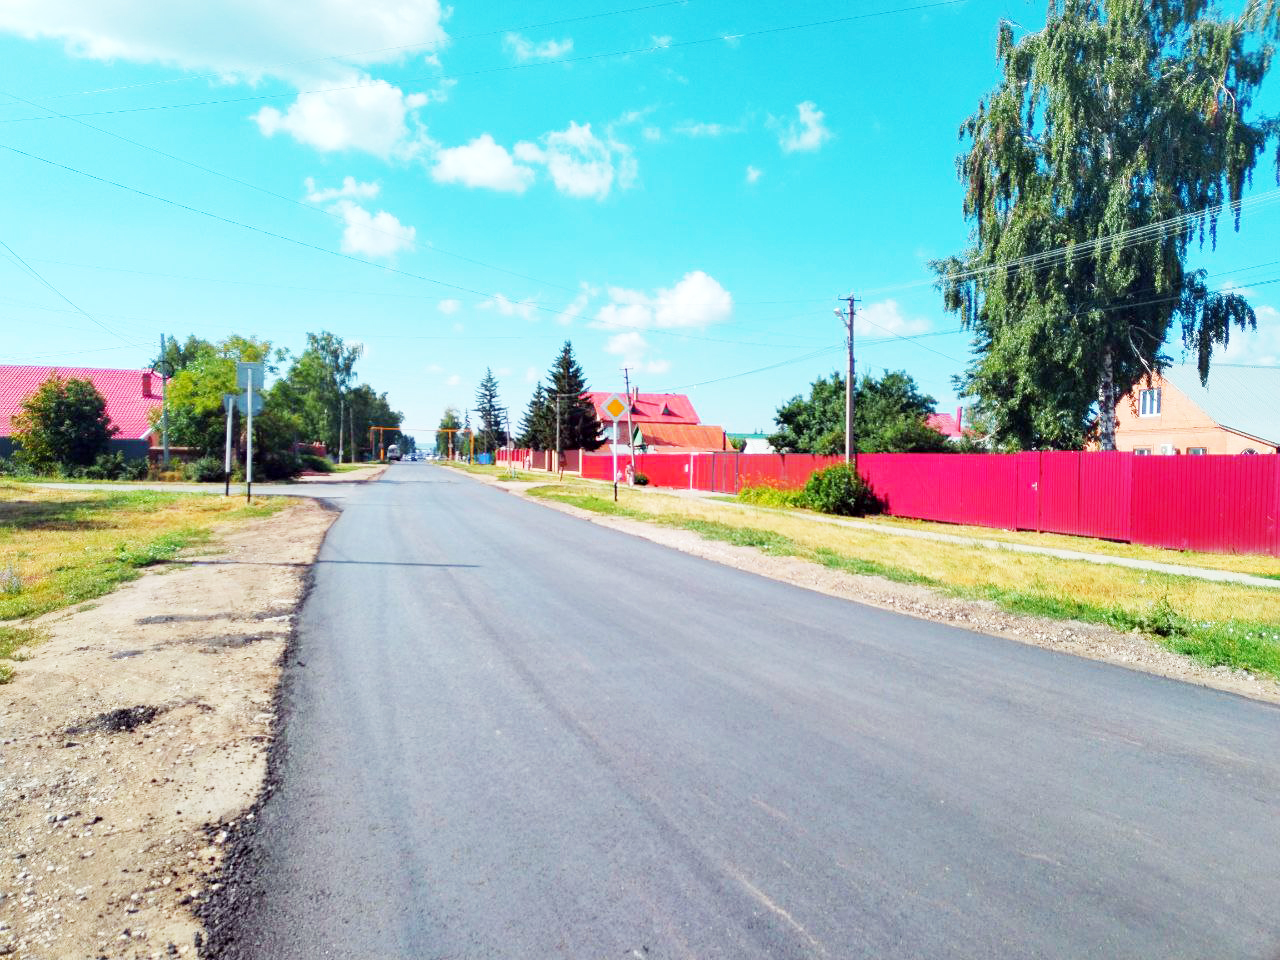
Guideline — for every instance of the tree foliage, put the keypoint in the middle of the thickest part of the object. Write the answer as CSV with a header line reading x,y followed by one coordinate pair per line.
x,y
447,439
63,425
1111,143
579,426
888,417
492,433
537,428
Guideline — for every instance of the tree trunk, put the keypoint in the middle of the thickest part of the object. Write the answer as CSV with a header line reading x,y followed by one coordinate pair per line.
x,y
1107,404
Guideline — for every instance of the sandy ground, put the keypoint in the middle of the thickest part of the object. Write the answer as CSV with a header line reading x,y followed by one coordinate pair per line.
x,y
135,736
1133,650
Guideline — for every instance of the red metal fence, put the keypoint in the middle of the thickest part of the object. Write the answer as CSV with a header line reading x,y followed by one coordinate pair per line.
x,y
1213,503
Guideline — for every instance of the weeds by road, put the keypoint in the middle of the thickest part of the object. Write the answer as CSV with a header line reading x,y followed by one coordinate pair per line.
x,y
62,547
1181,613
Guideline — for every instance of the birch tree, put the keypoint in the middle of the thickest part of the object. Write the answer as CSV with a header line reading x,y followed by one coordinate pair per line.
x,y
1118,138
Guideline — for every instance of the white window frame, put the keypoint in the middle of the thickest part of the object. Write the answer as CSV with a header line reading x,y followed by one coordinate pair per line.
x,y
1142,451
1149,402
1197,451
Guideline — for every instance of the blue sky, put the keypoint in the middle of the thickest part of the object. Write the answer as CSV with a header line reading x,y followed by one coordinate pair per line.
x,y
683,188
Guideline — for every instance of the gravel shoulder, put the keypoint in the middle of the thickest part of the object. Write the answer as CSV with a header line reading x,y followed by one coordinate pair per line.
x,y
136,736
1132,650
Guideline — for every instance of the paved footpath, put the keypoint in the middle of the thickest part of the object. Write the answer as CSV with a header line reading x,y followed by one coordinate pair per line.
x,y
512,733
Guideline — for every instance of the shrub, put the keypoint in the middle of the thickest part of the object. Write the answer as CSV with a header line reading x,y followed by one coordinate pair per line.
x,y
112,466
13,468
841,491
773,497
276,466
319,464
204,470
640,479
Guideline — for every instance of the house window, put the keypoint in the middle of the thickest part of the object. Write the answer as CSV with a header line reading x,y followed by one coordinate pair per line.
x,y
1142,451
1149,403
1196,451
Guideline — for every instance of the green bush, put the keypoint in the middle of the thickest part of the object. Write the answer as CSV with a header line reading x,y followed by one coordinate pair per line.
x,y
204,470
276,466
772,497
319,464
841,491
13,468
112,466
641,480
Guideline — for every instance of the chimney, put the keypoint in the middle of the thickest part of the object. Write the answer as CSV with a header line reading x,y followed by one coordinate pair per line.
x,y
959,420
146,383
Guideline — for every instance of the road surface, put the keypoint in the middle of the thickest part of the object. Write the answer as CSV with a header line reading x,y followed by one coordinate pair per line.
x,y
513,733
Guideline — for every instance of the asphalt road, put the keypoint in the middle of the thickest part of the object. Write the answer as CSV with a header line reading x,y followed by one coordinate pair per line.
x,y
511,733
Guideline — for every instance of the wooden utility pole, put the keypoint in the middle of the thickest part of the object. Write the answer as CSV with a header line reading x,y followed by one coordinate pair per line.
x,y
631,433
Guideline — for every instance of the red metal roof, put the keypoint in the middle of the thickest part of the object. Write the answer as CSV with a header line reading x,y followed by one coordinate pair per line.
x,y
127,405
650,408
666,436
946,424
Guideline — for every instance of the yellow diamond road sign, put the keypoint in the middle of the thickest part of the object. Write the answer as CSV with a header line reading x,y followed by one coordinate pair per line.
x,y
615,406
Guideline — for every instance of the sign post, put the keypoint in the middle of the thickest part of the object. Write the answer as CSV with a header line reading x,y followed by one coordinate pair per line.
x,y
615,408
229,403
247,374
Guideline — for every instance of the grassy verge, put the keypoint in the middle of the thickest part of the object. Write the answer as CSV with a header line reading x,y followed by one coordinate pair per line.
x,y
62,547
1261,566
1183,613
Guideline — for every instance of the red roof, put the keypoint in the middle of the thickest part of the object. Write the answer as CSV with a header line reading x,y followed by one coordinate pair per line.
x,y
946,424
665,436
128,406
650,408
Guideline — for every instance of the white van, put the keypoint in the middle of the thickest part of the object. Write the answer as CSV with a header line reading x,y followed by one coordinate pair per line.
x,y
393,452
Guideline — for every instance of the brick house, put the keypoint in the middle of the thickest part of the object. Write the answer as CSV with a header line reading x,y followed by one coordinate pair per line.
x,y
1238,412
131,395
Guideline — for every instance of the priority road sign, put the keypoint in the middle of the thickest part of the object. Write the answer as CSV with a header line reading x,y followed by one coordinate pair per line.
x,y
243,369
615,407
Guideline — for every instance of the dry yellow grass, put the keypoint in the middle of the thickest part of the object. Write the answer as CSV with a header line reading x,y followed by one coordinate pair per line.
x,y
62,546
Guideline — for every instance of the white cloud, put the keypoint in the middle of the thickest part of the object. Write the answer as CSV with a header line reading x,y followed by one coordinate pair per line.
x,y
502,372
449,307
453,381
351,189
806,132
580,163
435,368
754,174
246,41
235,39
1254,346
525,309
372,116
575,308
531,375
652,133
661,42
482,163
691,129
886,319
374,234
696,301
523,50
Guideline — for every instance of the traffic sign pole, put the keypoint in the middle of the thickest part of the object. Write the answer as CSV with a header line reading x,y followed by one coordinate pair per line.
x,y
248,466
229,402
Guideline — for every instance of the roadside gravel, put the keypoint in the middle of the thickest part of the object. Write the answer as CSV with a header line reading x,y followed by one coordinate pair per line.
x,y
134,739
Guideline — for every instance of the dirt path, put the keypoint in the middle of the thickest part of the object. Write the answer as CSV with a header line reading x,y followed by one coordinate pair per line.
x,y
133,735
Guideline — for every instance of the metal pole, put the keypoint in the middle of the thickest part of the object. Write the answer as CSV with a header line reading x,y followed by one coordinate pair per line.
x,y
164,403
228,401
615,459
340,409
248,466
631,431
558,432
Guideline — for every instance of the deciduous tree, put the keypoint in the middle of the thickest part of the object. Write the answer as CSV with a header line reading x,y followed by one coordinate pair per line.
x,y
64,424
1117,136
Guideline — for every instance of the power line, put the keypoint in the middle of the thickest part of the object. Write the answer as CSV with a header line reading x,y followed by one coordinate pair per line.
x,y
653,48
79,309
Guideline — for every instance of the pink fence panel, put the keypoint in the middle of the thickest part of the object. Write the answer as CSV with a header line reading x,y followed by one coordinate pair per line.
x,y
1106,485
669,470
1207,503
979,489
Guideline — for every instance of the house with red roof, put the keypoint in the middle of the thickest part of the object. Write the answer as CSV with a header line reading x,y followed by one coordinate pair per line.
x,y
131,397
950,427
659,423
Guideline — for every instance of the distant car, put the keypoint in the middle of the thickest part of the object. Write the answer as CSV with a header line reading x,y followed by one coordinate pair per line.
x,y
393,452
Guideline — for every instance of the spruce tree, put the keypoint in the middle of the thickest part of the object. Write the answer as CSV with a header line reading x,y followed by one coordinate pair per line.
x,y
491,434
579,427
538,420
1118,116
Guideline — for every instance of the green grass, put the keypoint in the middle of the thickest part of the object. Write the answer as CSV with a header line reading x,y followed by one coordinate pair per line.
x,y
348,467
1240,644
13,640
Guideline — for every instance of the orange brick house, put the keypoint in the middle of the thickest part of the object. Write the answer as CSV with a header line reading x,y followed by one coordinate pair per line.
x,y
1238,412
